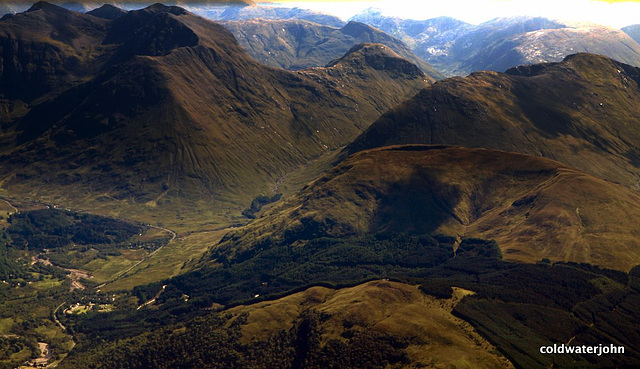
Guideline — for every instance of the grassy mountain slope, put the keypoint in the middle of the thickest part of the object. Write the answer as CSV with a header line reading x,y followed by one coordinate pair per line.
x,y
379,324
581,112
172,107
297,44
386,308
534,208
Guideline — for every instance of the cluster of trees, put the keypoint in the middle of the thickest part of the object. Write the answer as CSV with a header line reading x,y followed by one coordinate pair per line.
x,y
529,304
330,261
258,203
280,270
10,346
214,342
10,266
52,228
72,239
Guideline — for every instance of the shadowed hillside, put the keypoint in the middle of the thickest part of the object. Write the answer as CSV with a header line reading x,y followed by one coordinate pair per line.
x,y
582,112
534,208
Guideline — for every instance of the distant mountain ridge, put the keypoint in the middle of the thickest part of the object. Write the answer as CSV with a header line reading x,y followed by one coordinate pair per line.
x,y
297,44
240,13
17,6
633,31
458,48
438,30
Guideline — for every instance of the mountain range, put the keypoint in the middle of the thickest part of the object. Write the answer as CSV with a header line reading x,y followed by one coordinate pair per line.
x,y
12,7
154,105
457,48
302,193
240,12
297,44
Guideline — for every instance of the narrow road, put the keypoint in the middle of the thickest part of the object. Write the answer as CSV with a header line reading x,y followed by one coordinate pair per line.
x,y
154,298
55,317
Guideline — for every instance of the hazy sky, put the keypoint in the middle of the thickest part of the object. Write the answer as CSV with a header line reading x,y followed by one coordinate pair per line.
x,y
609,12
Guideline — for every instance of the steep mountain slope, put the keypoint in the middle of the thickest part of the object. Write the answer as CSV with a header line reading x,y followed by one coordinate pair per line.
x,y
46,49
457,48
296,44
161,104
582,112
534,208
